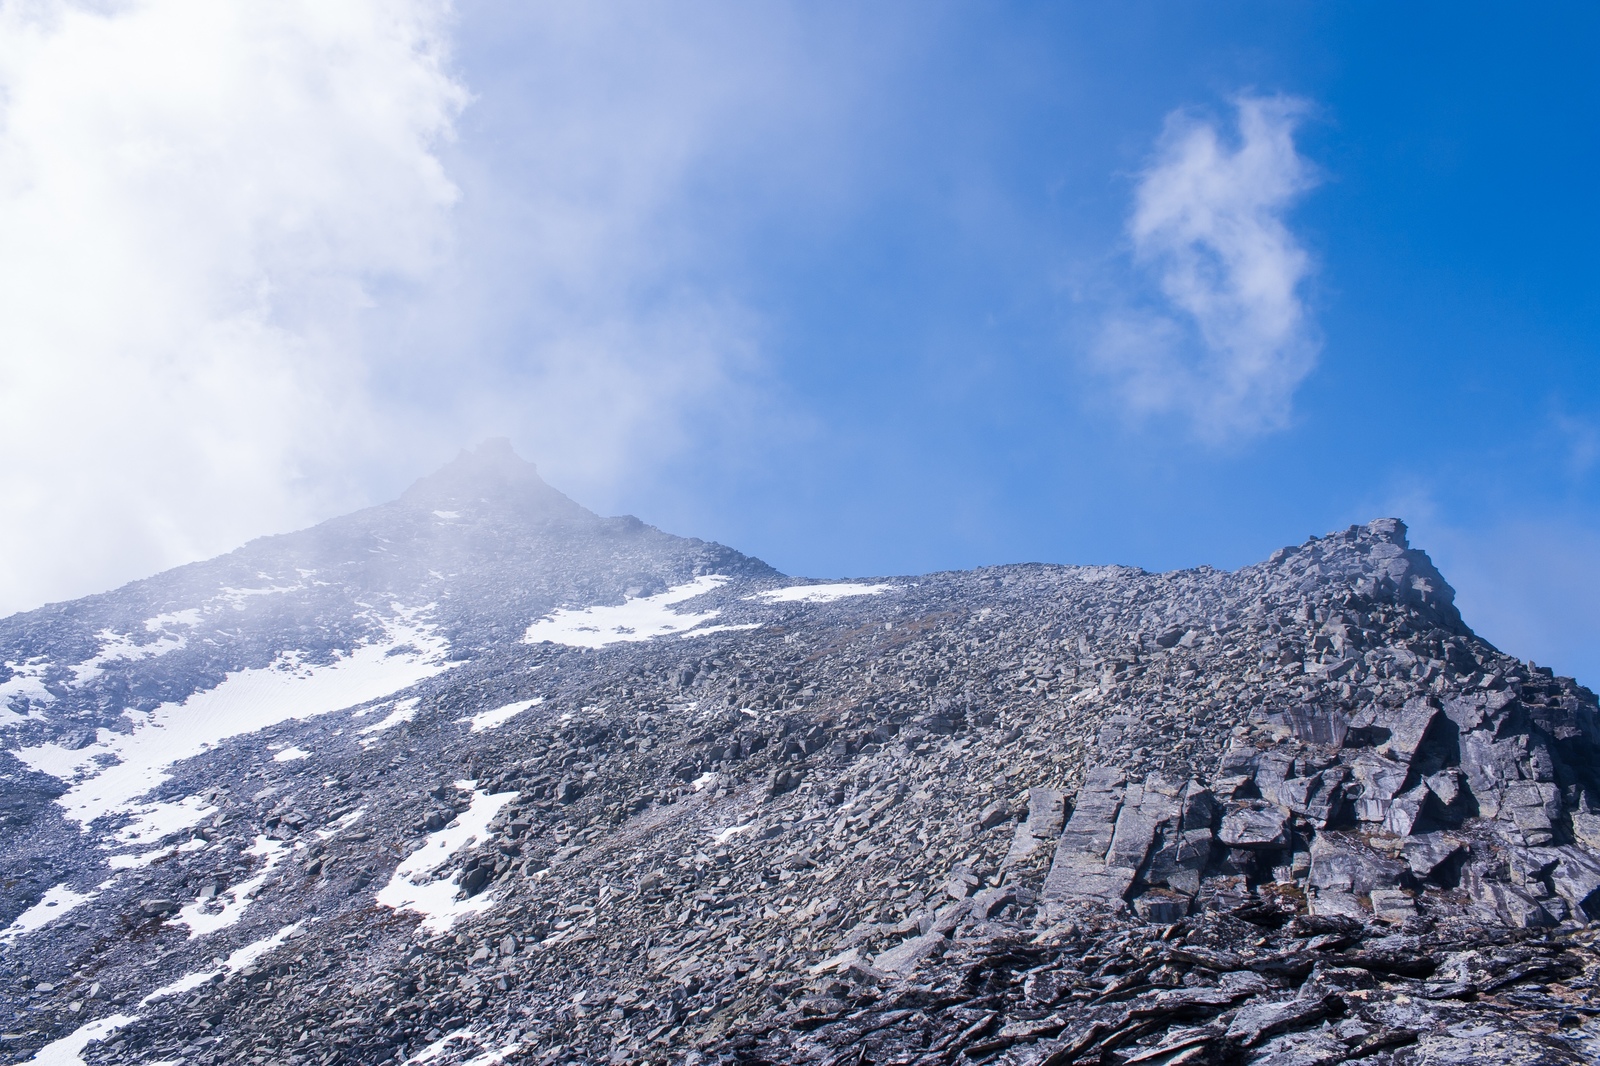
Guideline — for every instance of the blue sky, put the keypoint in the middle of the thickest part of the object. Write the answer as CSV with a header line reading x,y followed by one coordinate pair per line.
x,y
889,288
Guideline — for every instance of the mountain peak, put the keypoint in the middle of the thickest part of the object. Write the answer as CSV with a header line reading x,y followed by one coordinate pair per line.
x,y
492,475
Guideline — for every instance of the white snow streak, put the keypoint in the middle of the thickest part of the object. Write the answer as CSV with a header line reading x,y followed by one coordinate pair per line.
x,y
52,905
636,619
233,964
341,824
722,836
292,753
403,711
245,702
419,884
26,682
441,1045
706,631
820,593
118,648
138,862
500,715
68,1050
155,821
205,916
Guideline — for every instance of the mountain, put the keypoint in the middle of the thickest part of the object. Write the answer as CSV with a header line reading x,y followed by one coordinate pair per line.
x,y
480,776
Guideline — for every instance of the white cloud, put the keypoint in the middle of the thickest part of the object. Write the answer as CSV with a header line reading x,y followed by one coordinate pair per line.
x,y
1232,339
199,203
260,262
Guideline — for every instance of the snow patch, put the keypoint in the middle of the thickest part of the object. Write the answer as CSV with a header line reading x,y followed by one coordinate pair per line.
x,y
233,964
26,683
820,593
643,618
155,821
115,647
239,598
500,715
341,823
205,916
140,861
422,883
722,836
708,630
52,905
447,515
494,1057
441,1045
403,711
291,753
246,701
189,616
68,1051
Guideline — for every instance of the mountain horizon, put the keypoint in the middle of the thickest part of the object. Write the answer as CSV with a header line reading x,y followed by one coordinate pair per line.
x,y
481,758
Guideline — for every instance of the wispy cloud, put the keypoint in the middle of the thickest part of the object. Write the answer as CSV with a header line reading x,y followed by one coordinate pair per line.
x,y
1230,339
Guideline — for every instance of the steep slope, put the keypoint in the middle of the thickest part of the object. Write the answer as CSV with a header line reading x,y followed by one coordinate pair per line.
x,y
625,797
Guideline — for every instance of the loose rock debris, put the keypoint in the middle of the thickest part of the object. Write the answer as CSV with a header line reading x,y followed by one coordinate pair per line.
x,y
1293,814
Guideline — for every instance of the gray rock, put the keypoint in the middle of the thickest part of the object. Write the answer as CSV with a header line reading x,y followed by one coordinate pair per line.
x,y
1378,781
1427,852
1407,726
1341,863
1392,905
1046,812
1404,810
1257,1021
1254,825
1446,785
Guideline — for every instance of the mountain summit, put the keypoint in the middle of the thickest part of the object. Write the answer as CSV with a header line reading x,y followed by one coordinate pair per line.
x,y
493,477
478,776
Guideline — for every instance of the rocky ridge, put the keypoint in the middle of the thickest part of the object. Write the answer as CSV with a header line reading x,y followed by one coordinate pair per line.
x,y
1297,813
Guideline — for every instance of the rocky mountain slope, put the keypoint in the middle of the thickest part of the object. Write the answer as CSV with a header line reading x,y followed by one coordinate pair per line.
x,y
478,776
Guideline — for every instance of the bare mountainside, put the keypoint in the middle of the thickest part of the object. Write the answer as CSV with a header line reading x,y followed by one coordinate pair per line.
x,y
479,776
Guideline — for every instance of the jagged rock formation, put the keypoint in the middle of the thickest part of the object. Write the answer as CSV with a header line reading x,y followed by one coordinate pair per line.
x,y
544,787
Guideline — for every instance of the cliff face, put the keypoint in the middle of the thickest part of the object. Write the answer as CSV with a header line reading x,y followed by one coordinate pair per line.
x,y
480,776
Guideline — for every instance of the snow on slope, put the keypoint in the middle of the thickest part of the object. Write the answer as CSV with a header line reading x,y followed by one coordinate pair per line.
x,y
418,883
208,915
499,716
56,902
245,702
643,618
820,593
68,1051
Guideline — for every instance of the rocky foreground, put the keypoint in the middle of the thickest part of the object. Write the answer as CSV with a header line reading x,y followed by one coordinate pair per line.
x,y
1293,814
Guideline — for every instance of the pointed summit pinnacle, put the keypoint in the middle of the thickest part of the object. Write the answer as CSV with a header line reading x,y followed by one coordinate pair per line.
x,y
491,475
